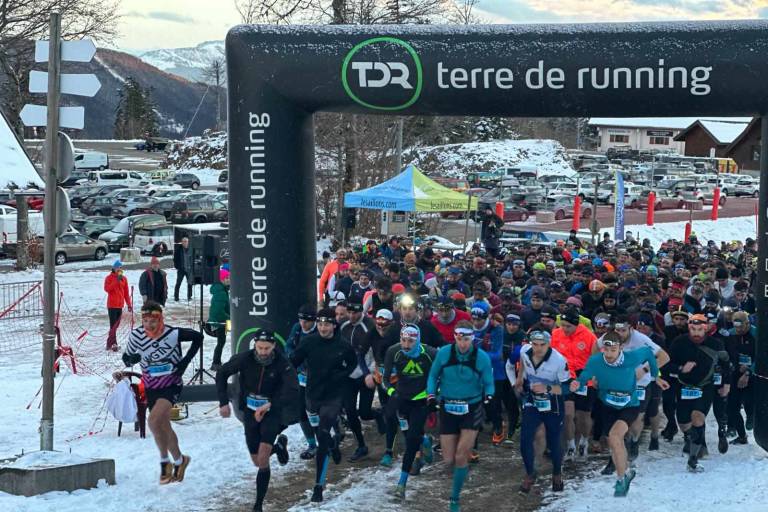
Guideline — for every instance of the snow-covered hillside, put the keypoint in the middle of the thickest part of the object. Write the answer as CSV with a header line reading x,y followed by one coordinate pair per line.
x,y
186,62
459,159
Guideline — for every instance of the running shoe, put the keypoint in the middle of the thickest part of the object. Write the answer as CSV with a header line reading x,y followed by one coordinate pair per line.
x,y
693,465
557,483
740,440
454,506
669,432
362,451
281,449
654,444
497,438
570,454
317,494
178,471
386,460
621,488
509,440
609,468
426,449
581,451
416,467
257,508
166,473
309,453
722,442
527,484
474,457
399,491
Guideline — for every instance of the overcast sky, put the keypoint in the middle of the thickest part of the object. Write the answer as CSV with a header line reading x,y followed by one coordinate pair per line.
x,y
150,24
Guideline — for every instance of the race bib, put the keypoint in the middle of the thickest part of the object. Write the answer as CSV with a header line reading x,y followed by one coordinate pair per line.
x,y
582,391
618,399
302,380
640,393
403,423
456,407
160,369
724,332
690,393
745,360
253,401
542,403
717,379
314,419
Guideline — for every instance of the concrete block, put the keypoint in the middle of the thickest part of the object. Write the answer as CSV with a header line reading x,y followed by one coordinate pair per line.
x,y
545,217
58,473
130,255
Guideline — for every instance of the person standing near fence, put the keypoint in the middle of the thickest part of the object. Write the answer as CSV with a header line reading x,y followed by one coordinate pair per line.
x,y
218,315
118,296
182,262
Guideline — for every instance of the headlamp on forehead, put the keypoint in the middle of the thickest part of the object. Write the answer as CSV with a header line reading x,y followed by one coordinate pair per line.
x,y
611,343
406,301
463,332
326,319
620,326
603,322
307,316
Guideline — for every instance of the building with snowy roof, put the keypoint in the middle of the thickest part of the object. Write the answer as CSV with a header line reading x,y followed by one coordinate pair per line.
x,y
704,137
649,133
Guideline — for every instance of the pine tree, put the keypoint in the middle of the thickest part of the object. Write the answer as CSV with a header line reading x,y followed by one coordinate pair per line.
x,y
136,114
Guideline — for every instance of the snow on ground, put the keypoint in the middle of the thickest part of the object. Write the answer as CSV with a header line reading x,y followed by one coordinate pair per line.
x,y
733,482
548,156
208,177
721,230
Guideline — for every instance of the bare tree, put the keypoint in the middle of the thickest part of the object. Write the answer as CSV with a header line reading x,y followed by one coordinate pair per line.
x,y
23,21
462,12
215,76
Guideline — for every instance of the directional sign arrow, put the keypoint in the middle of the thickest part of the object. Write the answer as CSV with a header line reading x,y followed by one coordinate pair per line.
x,y
69,117
71,51
79,85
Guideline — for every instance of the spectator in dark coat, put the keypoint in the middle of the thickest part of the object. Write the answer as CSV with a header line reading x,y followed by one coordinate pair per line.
x,y
153,284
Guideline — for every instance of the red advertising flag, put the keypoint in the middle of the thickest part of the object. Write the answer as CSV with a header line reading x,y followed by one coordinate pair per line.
x,y
576,213
651,207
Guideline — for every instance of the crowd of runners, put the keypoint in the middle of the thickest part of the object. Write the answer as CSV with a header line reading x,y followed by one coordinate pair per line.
x,y
561,350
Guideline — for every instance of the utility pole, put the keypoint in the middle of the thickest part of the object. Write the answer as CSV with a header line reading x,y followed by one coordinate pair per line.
x,y
593,227
399,147
49,277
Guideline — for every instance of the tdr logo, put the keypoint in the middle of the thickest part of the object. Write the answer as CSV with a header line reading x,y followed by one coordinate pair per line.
x,y
383,73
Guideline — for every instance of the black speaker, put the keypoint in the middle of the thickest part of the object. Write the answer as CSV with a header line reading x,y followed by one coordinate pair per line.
x,y
350,218
205,258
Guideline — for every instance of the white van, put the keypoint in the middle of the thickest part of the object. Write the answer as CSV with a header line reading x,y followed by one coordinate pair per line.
x,y
127,178
91,160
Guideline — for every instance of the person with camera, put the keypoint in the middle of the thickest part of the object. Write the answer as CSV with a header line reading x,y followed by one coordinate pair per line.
x,y
268,399
329,360
118,296
156,347
490,231
218,314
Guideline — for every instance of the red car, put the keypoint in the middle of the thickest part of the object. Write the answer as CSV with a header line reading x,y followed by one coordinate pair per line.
x,y
34,202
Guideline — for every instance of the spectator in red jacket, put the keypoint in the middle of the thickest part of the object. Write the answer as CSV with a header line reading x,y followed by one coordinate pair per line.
x,y
118,296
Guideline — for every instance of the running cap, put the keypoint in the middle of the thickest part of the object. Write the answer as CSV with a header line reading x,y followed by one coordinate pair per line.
x,y
698,319
479,310
679,312
512,319
356,307
464,331
410,331
540,336
265,335
385,314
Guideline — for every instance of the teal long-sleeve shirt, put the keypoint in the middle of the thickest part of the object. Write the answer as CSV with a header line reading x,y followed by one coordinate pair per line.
x,y
616,383
459,381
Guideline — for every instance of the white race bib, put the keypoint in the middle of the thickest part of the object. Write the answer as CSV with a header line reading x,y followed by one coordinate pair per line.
x,y
403,423
456,407
617,398
253,401
640,393
542,403
745,360
690,393
302,380
717,379
160,369
583,390
314,419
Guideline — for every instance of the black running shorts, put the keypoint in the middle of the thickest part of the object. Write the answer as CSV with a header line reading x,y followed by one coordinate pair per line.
x,y
686,407
451,424
170,393
265,431
581,402
611,415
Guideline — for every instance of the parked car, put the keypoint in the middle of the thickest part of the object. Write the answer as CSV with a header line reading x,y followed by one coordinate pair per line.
x,y
194,196
704,192
153,144
187,180
155,186
128,207
562,206
223,181
169,193
163,207
155,240
665,199
513,212
203,210
124,178
74,246
94,225
747,186
119,236
567,189
76,176
97,205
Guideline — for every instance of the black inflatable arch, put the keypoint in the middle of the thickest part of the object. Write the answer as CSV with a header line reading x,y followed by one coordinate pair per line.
x,y
279,76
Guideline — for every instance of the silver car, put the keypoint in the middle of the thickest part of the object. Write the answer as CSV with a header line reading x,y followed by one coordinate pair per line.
x,y
74,246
